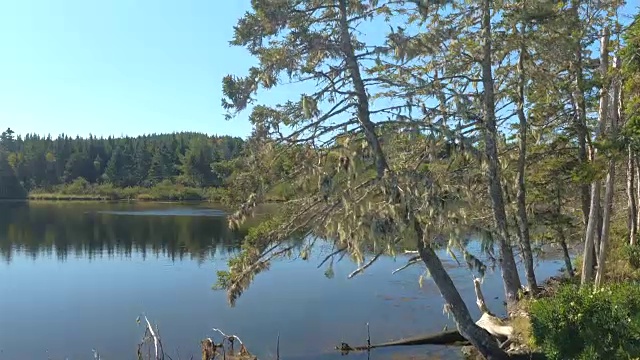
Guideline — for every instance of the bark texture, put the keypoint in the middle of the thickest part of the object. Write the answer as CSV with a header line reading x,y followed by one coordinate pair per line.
x,y
477,336
592,224
521,196
631,198
581,109
510,276
614,117
361,94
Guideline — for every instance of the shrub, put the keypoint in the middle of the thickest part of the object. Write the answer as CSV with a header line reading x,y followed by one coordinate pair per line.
x,y
78,186
633,253
581,324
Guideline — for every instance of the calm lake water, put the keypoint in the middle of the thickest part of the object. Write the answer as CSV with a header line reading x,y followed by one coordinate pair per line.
x,y
74,277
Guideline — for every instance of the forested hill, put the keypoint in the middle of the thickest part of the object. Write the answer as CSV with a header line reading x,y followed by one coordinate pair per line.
x,y
45,163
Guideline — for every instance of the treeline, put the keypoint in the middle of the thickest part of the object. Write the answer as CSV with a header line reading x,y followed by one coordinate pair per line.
x,y
40,165
38,228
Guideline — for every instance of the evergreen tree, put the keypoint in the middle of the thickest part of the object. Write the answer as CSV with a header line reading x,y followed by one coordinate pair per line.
x,y
142,160
10,187
7,141
42,162
120,168
161,167
196,163
79,165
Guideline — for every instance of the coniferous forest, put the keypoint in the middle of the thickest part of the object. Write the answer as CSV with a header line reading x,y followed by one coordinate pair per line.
x,y
166,166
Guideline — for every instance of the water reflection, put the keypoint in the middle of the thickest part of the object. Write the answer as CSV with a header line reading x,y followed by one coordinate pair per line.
x,y
84,230
76,275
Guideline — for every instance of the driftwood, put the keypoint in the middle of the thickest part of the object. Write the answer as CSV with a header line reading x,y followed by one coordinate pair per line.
x,y
225,349
442,338
150,336
210,349
492,324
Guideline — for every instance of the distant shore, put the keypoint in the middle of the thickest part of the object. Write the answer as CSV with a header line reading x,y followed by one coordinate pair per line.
x,y
81,190
141,197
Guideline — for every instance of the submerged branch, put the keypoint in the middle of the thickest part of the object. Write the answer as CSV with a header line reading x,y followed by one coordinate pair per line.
x,y
156,340
228,336
487,321
332,255
365,266
412,260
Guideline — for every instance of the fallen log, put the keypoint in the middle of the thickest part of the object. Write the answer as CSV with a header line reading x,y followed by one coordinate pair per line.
x,y
452,337
489,322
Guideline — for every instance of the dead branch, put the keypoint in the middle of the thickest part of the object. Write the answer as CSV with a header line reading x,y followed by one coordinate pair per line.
x,y
156,339
210,349
332,255
365,266
490,323
213,351
452,337
412,260
480,297
228,336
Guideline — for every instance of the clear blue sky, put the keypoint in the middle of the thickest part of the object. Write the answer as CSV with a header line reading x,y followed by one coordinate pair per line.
x,y
119,67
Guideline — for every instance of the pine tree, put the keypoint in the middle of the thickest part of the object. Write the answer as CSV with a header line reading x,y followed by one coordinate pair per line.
x,y
367,184
119,169
10,186
161,167
142,160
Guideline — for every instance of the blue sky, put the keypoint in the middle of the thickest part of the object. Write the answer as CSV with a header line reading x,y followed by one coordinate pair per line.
x,y
120,66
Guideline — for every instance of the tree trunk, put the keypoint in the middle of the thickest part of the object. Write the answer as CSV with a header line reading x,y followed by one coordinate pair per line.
x,y
581,119
637,166
598,238
592,224
606,222
565,253
477,336
523,220
507,262
362,97
589,243
631,198
614,117
561,236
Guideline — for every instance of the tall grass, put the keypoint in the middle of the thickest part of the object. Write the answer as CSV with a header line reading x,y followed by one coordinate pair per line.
x,y
80,189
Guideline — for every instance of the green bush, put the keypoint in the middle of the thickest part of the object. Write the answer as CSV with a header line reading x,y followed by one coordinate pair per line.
x,y
633,253
78,186
579,324
163,191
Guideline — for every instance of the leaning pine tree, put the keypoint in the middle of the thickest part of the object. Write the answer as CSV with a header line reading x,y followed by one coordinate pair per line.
x,y
367,177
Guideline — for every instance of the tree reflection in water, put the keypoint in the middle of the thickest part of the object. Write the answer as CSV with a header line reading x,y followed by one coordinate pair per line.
x,y
96,230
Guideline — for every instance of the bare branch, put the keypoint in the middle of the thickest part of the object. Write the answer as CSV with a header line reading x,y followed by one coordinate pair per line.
x,y
366,265
156,340
332,255
412,260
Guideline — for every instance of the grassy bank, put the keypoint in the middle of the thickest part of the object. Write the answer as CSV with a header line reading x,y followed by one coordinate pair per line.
x,y
81,190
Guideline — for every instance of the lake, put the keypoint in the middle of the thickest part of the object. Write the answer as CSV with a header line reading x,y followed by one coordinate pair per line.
x,y
75,276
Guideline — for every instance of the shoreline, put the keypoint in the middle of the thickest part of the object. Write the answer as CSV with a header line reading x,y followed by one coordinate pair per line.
x,y
102,199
